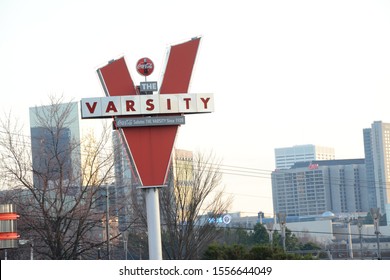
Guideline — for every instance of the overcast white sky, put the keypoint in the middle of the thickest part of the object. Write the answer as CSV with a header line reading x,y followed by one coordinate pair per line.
x,y
283,72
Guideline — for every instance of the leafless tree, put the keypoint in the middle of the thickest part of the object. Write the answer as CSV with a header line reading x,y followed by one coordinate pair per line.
x,y
57,182
189,205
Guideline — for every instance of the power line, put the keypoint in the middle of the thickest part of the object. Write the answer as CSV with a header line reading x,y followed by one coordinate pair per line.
x,y
228,169
314,232
236,171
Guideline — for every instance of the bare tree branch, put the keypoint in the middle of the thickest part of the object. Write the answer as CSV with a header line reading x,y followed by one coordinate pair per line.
x,y
194,190
57,197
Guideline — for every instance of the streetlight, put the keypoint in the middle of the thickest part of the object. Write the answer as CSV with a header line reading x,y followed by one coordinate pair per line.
x,y
375,213
25,241
260,217
282,222
99,257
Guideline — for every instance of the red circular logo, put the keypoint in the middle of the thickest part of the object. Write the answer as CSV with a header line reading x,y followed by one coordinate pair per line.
x,y
145,66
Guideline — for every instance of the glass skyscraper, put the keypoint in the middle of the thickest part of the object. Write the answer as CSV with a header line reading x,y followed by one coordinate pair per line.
x,y
377,153
55,143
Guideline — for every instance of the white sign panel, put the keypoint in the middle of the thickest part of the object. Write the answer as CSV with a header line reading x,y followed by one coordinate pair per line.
x,y
132,105
90,107
110,106
150,104
168,104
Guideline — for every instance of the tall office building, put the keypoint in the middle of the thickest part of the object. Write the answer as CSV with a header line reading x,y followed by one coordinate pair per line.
x,y
286,157
55,139
125,181
370,173
50,157
122,161
180,186
314,187
377,153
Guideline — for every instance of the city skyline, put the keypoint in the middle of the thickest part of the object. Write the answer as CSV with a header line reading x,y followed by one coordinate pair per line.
x,y
287,159
303,154
283,74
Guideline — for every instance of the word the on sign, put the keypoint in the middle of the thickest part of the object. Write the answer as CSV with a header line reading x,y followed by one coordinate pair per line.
x,y
148,86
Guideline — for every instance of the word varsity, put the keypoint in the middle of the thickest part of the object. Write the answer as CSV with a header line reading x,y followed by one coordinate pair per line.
x,y
131,105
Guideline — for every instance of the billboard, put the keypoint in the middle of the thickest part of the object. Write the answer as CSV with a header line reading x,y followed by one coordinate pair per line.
x,y
150,145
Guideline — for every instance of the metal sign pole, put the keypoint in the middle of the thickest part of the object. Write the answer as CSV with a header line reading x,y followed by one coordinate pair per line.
x,y
153,219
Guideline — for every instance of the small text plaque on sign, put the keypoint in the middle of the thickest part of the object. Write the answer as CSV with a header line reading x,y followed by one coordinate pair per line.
x,y
150,121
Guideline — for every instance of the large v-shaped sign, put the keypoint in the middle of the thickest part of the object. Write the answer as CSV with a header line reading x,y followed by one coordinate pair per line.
x,y
151,146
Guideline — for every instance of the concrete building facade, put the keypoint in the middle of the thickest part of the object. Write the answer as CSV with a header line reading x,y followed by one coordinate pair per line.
x,y
287,156
314,187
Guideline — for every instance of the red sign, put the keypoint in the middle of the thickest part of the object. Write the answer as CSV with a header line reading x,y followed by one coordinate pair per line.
x,y
145,66
313,166
151,147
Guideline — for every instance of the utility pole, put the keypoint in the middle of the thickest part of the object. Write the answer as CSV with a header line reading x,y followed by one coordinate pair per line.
x,y
107,224
350,249
270,227
124,235
282,222
360,226
375,213
31,249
